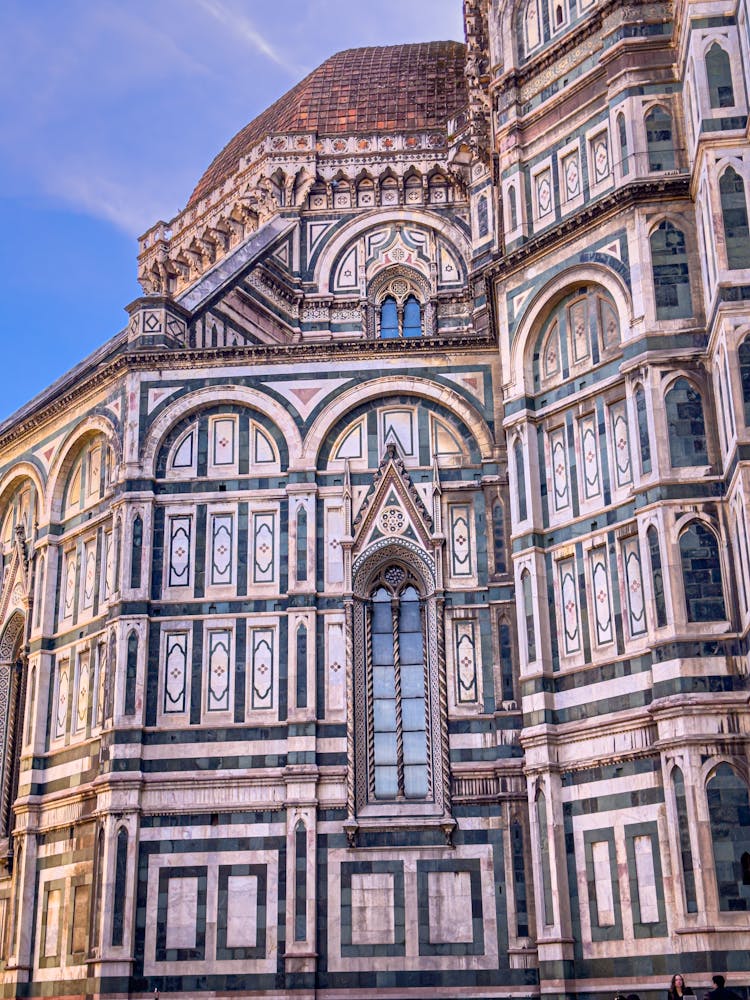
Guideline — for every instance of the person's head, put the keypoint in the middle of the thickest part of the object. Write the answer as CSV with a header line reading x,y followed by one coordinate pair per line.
x,y
718,981
678,983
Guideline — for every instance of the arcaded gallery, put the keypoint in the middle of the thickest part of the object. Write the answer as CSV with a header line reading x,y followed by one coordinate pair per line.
x,y
375,611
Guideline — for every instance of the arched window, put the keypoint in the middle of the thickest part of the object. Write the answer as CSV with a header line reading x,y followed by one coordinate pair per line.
x,y
669,263
498,537
657,577
541,815
512,208
400,730
644,440
121,875
301,545
300,882
729,811
701,574
683,832
659,139
719,76
400,321
301,665
483,216
507,669
734,215
623,137
137,553
412,318
96,899
388,319
686,425
559,15
743,354
131,673
520,481
528,613
519,879
399,697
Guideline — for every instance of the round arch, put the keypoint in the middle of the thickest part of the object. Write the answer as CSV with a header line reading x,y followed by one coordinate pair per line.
x,y
88,427
521,349
324,265
380,389
194,401
10,633
16,475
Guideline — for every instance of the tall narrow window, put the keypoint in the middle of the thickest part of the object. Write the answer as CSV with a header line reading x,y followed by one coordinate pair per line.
x,y
483,216
131,673
388,319
301,545
302,665
519,879
398,708
520,481
743,353
512,208
412,318
121,874
300,882
506,662
644,440
657,577
137,553
734,214
729,811
686,425
498,537
659,138
719,75
669,263
683,832
701,574
623,137
541,815
528,611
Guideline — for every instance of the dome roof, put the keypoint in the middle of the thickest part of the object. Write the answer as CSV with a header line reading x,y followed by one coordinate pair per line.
x,y
393,88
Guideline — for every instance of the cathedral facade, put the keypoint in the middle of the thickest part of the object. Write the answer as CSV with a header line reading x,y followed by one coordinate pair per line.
x,y
375,605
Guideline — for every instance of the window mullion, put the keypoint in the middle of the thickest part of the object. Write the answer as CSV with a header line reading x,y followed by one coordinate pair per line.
x,y
395,607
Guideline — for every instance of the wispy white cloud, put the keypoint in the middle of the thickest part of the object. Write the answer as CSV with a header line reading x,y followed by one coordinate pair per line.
x,y
243,28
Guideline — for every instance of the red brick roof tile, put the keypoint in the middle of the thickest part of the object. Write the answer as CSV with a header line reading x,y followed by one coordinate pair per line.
x,y
379,89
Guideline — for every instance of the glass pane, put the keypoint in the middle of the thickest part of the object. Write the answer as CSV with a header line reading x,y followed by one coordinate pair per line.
x,y
384,716
385,748
412,715
383,682
386,782
415,781
382,648
701,575
410,647
412,681
415,748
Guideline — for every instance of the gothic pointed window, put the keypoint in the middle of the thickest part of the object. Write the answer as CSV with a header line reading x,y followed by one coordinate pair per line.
x,y
669,263
719,76
389,319
398,708
734,214
729,812
412,318
743,355
660,139
686,425
623,137
701,574
657,577
398,763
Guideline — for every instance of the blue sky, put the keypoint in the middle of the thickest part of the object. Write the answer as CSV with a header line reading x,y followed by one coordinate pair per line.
x,y
110,110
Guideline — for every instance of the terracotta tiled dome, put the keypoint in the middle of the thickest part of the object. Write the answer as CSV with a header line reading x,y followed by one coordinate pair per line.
x,y
379,89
